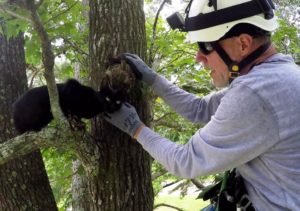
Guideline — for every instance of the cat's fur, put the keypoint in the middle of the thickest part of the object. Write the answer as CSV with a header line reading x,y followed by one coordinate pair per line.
x,y
32,110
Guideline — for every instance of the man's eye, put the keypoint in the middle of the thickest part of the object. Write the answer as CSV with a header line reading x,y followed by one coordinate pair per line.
x,y
208,47
205,47
107,99
118,102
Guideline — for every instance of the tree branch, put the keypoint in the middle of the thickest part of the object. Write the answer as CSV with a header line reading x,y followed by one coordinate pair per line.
x,y
158,174
180,185
154,31
163,117
197,184
78,142
61,13
171,183
167,205
35,71
47,56
39,3
75,47
12,13
170,64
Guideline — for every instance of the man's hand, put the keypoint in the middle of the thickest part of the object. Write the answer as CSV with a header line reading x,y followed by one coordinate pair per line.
x,y
139,67
126,119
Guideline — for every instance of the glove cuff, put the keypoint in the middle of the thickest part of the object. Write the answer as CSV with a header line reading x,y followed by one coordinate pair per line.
x,y
161,86
138,131
150,78
134,129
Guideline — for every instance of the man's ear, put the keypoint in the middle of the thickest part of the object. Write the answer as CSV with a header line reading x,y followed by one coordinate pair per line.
x,y
246,44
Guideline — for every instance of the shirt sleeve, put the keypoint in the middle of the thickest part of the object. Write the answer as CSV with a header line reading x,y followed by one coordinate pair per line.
x,y
242,128
191,107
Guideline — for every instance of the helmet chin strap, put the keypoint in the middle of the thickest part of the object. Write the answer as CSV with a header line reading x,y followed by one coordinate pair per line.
x,y
235,67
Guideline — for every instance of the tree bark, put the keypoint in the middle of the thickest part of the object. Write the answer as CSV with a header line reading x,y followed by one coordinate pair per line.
x,y
124,178
23,181
80,195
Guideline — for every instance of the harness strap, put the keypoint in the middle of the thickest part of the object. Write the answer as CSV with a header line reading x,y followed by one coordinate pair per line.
x,y
254,55
235,67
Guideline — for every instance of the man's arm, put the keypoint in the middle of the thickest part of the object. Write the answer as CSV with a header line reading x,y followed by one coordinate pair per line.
x,y
195,109
191,107
243,128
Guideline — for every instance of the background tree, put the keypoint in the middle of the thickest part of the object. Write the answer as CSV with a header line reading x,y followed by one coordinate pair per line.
x,y
58,135
125,167
24,179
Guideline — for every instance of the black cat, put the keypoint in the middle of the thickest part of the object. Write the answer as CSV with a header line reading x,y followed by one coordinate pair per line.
x,y
32,110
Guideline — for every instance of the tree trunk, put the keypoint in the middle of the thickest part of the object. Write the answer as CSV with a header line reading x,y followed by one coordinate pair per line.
x,y
80,195
124,178
24,184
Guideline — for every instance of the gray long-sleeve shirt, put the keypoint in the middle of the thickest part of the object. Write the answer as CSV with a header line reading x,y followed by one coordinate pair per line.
x,y
254,125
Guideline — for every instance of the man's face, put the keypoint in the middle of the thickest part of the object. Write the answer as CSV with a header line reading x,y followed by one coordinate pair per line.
x,y
212,61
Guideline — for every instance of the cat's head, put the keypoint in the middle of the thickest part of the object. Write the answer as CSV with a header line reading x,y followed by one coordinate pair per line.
x,y
111,99
115,86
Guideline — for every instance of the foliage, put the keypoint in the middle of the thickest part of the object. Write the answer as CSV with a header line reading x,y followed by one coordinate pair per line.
x,y
13,25
59,169
282,3
174,59
65,22
287,39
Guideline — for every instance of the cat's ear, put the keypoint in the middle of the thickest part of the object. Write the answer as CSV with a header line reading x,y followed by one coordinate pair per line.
x,y
122,92
113,61
104,90
100,97
72,83
72,86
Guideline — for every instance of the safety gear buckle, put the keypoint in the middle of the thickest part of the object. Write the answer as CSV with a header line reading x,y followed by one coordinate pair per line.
x,y
244,203
234,75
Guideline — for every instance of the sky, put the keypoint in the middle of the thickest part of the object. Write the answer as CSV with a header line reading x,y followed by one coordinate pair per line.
x,y
167,9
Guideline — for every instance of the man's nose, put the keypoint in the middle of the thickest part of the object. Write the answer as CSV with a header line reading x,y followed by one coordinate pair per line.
x,y
201,58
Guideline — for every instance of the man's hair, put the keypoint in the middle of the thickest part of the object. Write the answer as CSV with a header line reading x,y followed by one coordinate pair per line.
x,y
247,28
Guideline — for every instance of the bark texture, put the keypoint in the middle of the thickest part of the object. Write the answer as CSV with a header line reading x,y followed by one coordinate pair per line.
x,y
24,184
124,178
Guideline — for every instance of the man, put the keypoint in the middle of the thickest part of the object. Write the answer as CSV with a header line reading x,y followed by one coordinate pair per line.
x,y
253,125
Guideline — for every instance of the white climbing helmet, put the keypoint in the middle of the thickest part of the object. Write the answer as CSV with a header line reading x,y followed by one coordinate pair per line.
x,y
209,20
